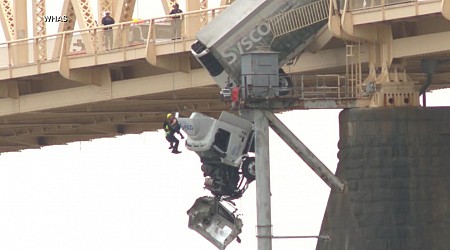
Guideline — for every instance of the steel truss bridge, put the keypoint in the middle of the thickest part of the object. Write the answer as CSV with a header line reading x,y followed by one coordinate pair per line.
x,y
65,87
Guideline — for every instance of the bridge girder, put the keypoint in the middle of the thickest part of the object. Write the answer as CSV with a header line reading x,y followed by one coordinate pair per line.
x,y
124,10
39,27
7,19
138,99
104,5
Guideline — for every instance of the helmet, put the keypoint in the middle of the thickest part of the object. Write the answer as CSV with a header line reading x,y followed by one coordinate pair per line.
x,y
169,115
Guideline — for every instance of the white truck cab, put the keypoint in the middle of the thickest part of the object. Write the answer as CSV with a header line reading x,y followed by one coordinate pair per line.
x,y
223,146
226,139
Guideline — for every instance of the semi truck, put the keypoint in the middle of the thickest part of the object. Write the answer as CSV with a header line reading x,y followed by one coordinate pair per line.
x,y
225,147
283,26
286,27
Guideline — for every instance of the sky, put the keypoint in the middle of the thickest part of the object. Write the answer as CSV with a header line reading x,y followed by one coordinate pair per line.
x,y
130,192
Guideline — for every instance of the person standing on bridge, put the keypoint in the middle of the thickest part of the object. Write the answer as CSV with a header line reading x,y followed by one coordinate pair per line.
x,y
176,21
171,127
108,20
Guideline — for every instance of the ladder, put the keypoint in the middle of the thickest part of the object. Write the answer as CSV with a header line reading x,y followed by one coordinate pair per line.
x,y
299,18
353,70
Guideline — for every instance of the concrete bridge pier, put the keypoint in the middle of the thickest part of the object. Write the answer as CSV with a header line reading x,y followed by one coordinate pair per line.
x,y
396,166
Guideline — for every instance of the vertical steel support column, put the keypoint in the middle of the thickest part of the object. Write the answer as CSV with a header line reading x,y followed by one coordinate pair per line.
x,y
39,29
7,19
68,11
85,20
204,15
263,209
191,24
301,150
102,6
121,11
21,31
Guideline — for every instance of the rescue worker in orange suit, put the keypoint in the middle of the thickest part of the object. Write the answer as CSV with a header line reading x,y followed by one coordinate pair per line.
x,y
171,127
235,97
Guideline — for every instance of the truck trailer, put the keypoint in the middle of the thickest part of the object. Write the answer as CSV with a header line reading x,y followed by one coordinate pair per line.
x,y
283,26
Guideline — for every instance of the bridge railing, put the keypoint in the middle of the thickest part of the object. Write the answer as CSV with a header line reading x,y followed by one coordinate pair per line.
x,y
84,42
366,4
25,51
300,86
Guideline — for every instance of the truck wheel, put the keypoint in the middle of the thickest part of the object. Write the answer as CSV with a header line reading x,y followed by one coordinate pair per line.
x,y
284,82
249,168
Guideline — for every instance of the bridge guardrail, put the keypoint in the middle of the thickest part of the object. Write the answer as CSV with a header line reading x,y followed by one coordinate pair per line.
x,y
366,4
303,87
84,42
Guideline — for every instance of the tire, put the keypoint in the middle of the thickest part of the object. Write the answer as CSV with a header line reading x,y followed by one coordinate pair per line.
x,y
249,168
284,82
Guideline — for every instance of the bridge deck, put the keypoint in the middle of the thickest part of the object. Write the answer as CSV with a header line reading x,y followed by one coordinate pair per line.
x,y
77,90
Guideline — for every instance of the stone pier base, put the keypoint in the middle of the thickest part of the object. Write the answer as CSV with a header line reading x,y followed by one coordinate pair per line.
x,y
396,166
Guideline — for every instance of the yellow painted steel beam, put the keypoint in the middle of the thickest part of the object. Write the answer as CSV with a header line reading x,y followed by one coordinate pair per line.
x,y
124,10
323,36
38,18
20,51
9,89
123,13
115,90
39,29
7,19
204,16
192,24
446,9
436,43
76,10
84,14
102,6
174,62
85,20
68,11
